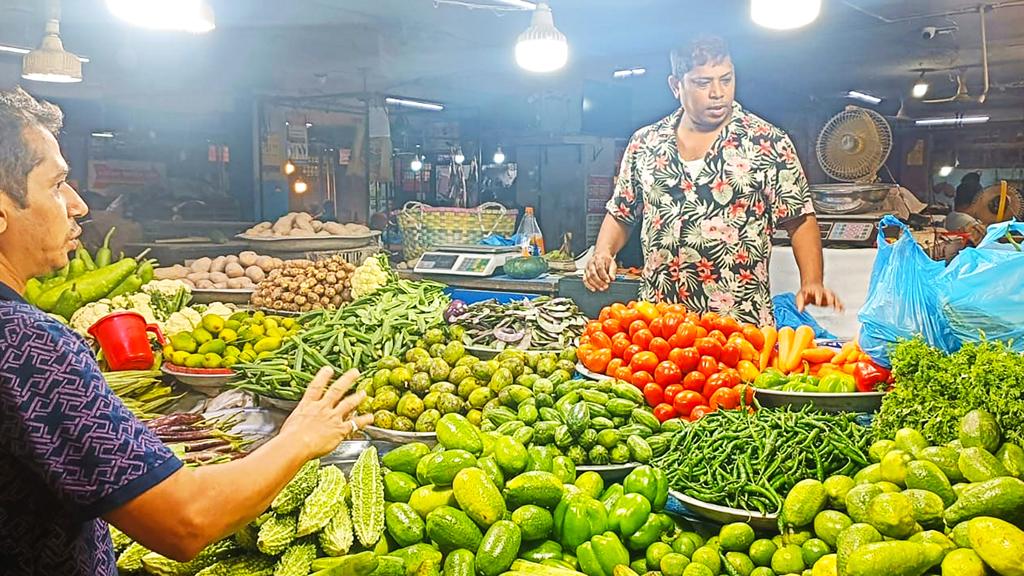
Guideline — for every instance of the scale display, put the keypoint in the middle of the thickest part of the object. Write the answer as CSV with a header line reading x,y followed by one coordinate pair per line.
x,y
480,261
840,231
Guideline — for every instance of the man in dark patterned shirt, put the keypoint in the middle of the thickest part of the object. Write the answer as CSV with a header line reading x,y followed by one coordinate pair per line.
x,y
71,454
712,181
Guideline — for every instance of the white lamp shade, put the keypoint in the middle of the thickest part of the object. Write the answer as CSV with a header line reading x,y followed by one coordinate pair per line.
x,y
50,62
784,14
542,48
920,89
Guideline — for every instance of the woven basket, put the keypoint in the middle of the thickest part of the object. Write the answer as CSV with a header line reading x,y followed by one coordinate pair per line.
x,y
354,256
427,227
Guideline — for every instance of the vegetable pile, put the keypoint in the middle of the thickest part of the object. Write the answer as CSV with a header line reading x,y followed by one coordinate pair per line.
x,y
302,225
142,391
934,390
747,461
222,342
197,441
304,285
824,370
383,323
240,272
543,324
160,302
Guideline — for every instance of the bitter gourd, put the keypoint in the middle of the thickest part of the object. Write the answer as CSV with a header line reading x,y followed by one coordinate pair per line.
x,y
294,494
119,539
246,537
336,538
248,565
276,534
367,490
160,565
296,560
131,559
323,503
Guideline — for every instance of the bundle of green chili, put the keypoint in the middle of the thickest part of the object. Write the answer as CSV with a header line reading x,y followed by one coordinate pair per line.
x,y
750,461
386,322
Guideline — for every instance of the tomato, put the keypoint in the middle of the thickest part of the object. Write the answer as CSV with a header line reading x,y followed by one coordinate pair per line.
x,y
641,379
676,309
654,394
624,374
599,360
629,352
686,401
694,381
715,383
656,327
727,398
670,392
647,311
612,327
601,340
636,326
662,306
670,323
753,335
709,347
708,320
628,316
707,365
643,338
644,362
660,348
701,332
584,351
619,344
730,354
686,358
687,334
699,412
693,318
605,314
617,309
745,393
731,376
667,373
585,339
717,335
727,325
664,412
594,326
613,366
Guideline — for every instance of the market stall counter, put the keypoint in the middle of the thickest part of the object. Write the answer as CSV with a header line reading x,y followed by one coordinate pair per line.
x,y
546,285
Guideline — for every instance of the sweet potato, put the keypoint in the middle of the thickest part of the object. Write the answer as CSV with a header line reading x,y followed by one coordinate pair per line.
x,y
234,270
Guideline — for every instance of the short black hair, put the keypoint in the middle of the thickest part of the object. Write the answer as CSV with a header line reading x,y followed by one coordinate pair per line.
x,y
701,51
968,190
20,112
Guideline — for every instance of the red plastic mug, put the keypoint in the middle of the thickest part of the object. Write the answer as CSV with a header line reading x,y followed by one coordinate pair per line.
x,y
124,340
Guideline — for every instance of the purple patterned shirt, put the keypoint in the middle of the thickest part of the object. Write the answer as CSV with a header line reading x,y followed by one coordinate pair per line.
x,y
70,451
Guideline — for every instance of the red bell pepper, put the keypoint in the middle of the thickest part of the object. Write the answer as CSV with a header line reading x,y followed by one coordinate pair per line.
x,y
870,377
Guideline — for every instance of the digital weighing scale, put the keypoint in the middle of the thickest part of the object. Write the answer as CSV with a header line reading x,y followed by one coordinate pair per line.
x,y
841,231
479,261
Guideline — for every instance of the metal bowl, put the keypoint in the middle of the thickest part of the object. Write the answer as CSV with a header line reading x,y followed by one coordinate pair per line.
x,y
375,433
610,472
206,384
292,245
824,401
224,295
279,403
488,353
591,375
346,454
726,515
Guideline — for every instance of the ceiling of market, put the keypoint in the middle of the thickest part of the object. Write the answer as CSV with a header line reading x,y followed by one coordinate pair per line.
x,y
464,57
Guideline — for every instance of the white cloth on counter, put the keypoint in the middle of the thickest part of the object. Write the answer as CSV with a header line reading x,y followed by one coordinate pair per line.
x,y
847,273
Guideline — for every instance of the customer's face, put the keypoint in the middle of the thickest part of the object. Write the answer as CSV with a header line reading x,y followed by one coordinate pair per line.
x,y
36,239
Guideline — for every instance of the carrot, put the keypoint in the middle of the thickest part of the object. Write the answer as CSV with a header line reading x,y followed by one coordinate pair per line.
x,y
771,335
803,339
818,355
786,338
845,353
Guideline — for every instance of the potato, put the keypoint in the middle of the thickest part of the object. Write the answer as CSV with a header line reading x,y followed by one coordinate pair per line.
x,y
248,258
197,276
218,264
317,225
231,259
237,283
205,285
284,224
323,233
255,273
247,282
218,277
234,270
299,232
201,265
170,273
265,262
304,221
334,229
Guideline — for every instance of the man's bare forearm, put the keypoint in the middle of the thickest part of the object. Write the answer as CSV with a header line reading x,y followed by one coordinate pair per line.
x,y
805,237
612,237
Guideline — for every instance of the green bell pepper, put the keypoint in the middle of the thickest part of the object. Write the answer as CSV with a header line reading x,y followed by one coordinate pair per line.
x,y
611,496
771,378
838,383
590,483
651,531
649,482
546,550
801,383
601,555
629,514
578,517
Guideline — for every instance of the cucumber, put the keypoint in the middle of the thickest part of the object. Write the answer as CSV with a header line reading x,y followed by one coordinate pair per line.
x,y
478,497
440,468
550,414
645,417
1000,544
508,428
544,432
577,419
1001,498
541,488
389,566
636,430
978,465
639,450
979,429
594,396
460,562
451,529
399,486
893,558
601,423
426,499
627,391
417,555
456,432
405,457
510,455
524,435
490,466
403,524
598,410
673,425
498,549
498,415
946,459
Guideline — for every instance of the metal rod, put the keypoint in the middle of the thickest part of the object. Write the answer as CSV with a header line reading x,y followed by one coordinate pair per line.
x,y
911,18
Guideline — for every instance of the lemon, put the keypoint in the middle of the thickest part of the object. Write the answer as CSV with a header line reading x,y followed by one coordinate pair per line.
x,y
211,360
270,324
289,323
228,335
232,352
233,325
228,362
256,331
194,361
826,566
184,342
736,537
813,550
761,552
213,323
788,559
167,350
259,315
275,332
216,346
179,357
709,557
202,335
739,562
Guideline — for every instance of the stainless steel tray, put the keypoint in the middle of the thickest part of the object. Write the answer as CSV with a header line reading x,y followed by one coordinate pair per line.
x,y
375,433
610,472
224,295
285,405
346,454
206,384
824,401
311,243
591,375
488,353
726,515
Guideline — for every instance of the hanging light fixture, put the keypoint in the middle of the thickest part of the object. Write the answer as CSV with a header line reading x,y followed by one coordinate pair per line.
x,y
784,14
459,157
288,168
300,186
416,165
499,156
542,48
920,88
51,62
945,170
195,16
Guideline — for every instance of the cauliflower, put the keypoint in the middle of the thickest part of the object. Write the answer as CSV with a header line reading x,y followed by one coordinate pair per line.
x,y
87,315
219,309
184,320
370,277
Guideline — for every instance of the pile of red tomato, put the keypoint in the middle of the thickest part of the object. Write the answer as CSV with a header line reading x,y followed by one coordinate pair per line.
x,y
686,364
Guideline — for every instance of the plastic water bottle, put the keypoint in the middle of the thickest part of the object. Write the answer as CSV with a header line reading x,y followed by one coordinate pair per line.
x,y
529,237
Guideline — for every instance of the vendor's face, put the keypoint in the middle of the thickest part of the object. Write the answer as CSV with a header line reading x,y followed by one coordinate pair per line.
x,y
706,93
36,239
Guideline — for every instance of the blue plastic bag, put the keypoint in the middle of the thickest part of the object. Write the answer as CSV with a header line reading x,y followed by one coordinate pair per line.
x,y
903,297
982,290
787,314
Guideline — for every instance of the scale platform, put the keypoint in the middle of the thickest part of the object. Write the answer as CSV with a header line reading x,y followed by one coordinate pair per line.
x,y
841,231
476,260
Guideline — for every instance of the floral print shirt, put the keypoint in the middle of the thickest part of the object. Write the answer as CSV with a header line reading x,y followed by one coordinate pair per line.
x,y
707,237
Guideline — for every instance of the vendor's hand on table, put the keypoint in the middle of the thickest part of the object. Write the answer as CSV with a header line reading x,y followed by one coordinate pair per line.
x,y
817,295
600,272
324,416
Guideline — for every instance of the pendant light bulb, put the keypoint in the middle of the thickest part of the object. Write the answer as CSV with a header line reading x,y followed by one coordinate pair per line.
x,y
542,48
51,62
784,14
499,156
288,168
416,165
945,171
459,157
300,186
920,88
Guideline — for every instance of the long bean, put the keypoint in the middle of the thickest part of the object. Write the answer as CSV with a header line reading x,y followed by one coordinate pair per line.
x,y
750,461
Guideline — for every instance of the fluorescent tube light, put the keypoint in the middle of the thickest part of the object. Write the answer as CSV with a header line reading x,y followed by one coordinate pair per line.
x,y
868,98
952,121
629,73
416,104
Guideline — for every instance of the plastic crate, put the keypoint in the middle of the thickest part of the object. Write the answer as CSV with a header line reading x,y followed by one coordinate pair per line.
x,y
474,296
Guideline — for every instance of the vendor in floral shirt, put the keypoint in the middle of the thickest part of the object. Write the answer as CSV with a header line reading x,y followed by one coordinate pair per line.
x,y
713,181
